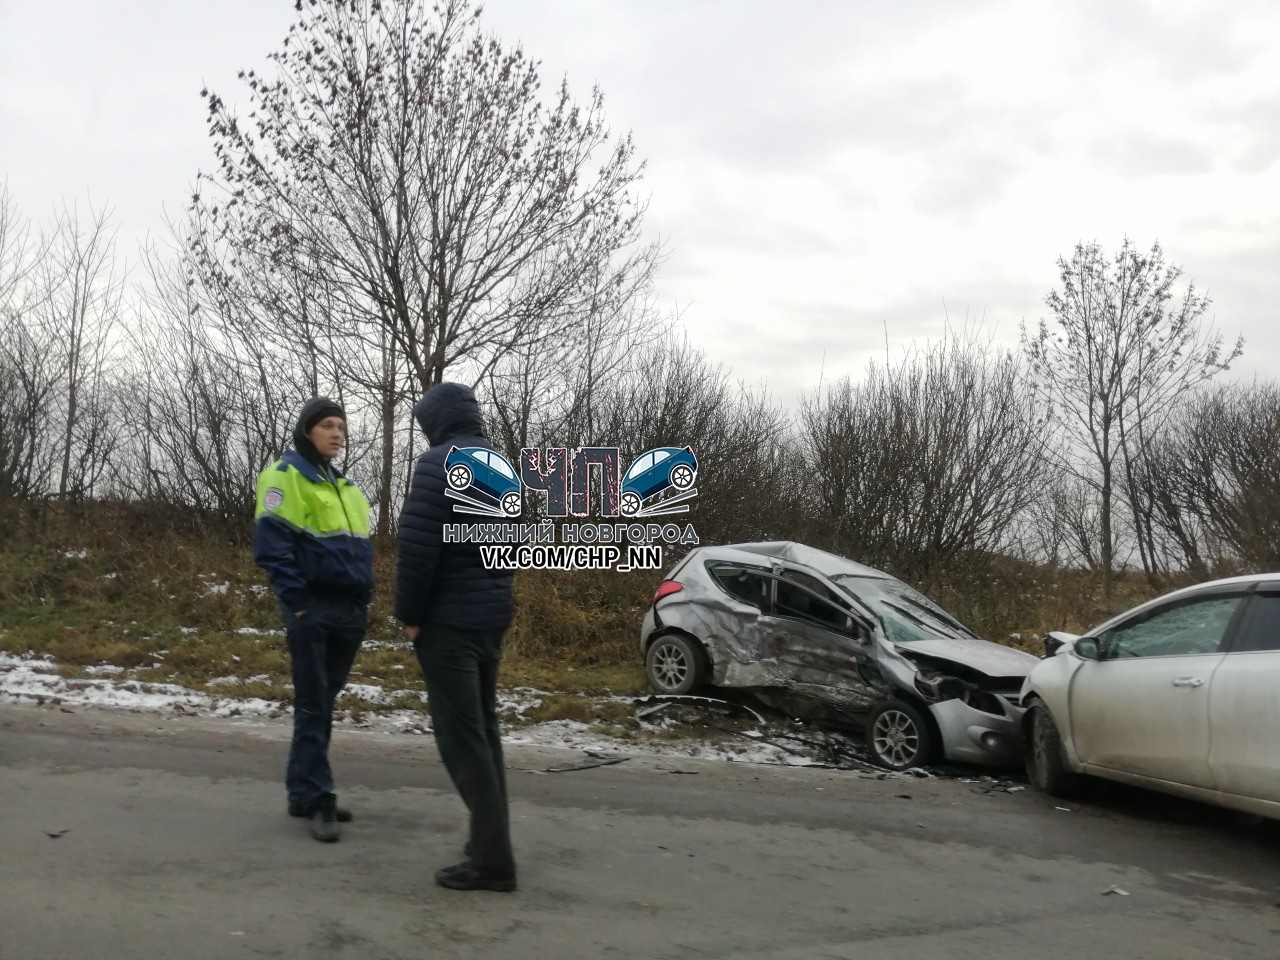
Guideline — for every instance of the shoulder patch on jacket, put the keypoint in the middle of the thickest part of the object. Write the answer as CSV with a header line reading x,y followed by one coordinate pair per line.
x,y
273,498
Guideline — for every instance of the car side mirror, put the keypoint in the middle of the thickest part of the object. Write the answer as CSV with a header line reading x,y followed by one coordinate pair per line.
x,y
1088,648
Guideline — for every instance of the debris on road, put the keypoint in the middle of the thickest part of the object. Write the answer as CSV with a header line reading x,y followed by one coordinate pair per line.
x,y
590,763
55,834
659,702
1116,891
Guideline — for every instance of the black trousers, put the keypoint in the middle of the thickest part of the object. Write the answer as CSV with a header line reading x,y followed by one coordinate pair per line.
x,y
322,646
461,671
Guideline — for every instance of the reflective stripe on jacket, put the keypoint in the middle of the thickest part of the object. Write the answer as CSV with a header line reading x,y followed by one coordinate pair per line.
x,y
311,534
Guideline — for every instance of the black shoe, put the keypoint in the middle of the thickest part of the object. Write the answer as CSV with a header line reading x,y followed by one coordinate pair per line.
x,y
324,822
466,877
341,814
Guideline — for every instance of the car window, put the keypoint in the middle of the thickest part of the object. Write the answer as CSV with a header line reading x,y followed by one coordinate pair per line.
x,y
794,600
500,464
748,584
812,583
659,456
1196,625
1259,625
640,466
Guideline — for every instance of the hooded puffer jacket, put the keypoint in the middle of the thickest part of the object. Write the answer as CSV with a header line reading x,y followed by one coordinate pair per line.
x,y
437,582
311,529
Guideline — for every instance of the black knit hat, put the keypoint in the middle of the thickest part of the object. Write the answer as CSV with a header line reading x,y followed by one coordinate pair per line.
x,y
316,409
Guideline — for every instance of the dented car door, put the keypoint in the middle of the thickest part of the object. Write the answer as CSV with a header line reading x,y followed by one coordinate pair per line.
x,y
818,642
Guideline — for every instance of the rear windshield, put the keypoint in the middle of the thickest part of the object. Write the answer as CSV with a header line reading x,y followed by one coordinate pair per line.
x,y
907,614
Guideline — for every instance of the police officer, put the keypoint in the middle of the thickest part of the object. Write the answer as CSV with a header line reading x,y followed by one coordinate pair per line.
x,y
312,537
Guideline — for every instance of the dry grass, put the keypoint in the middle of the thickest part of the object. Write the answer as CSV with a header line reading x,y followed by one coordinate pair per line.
x,y
123,585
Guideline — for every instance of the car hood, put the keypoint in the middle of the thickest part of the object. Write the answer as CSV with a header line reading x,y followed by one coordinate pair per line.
x,y
993,659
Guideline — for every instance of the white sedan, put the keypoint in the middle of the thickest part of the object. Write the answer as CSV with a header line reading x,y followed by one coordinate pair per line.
x,y
1180,694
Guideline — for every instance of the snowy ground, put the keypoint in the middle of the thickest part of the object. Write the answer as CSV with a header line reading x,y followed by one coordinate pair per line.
x,y
676,729
33,679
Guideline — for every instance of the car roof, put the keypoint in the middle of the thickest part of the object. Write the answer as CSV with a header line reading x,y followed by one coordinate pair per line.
x,y
828,564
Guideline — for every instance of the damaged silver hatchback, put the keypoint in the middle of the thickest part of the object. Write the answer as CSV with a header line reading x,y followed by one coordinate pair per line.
x,y
824,637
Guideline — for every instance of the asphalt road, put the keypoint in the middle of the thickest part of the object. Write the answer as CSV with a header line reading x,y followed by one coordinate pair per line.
x,y
173,842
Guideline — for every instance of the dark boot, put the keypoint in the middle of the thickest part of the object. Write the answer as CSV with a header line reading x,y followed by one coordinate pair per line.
x,y
464,876
324,822
341,814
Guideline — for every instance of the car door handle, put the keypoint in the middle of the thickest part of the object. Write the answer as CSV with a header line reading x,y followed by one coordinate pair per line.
x,y
1188,682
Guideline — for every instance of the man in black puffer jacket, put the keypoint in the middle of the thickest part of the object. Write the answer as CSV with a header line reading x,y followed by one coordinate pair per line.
x,y
455,611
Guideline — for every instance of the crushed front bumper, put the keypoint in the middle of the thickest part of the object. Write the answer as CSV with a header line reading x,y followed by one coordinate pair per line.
x,y
974,736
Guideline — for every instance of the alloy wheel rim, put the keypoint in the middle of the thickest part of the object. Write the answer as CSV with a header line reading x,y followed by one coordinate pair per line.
x,y
670,666
895,738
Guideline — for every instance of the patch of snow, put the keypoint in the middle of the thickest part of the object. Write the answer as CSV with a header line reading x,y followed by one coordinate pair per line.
x,y
24,679
188,630
104,670
75,554
387,645
217,588
255,632
369,692
109,576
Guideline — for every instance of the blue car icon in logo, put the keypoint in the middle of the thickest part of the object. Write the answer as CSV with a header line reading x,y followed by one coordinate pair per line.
x,y
654,472
487,471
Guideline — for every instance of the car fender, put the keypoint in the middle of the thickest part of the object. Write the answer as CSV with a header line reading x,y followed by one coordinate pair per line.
x,y
1049,683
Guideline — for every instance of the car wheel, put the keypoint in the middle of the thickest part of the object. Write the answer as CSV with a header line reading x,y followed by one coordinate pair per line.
x,y
630,503
682,476
898,735
511,504
676,664
459,476
1047,767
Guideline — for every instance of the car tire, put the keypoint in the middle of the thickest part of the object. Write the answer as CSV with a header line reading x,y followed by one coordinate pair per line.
x,y
512,504
630,503
676,664
899,736
1047,767
459,476
681,476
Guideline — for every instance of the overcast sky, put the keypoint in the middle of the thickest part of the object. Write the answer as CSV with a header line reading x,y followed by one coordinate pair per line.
x,y
823,173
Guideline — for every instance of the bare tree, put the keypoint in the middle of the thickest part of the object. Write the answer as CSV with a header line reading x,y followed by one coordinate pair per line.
x,y
935,456
552,394
671,394
26,381
1118,351
207,409
404,163
81,285
1215,479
